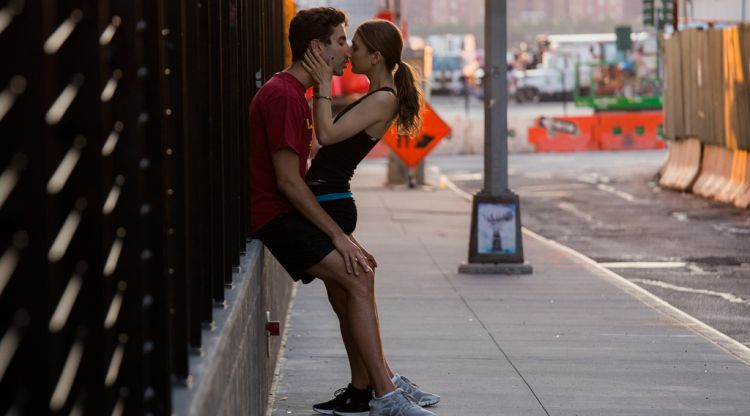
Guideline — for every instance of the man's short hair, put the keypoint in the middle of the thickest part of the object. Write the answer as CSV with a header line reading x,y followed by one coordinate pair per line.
x,y
316,23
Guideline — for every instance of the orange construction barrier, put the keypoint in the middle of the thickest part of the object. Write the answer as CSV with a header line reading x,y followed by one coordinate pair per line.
x,y
736,182
743,197
549,140
723,173
708,169
629,130
715,172
602,131
683,164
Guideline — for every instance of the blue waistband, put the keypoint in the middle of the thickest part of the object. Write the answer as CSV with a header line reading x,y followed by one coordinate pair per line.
x,y
333,197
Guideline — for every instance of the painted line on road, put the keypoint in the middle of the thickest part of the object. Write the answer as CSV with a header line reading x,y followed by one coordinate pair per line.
x,y
712,335
567,206
624,195
645,265
553,187
596,179
724,295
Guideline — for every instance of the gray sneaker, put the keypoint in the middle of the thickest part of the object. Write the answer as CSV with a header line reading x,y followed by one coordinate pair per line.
x,y
422,398
396,404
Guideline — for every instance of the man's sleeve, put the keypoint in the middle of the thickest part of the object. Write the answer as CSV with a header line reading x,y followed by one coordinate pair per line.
x,y
286,123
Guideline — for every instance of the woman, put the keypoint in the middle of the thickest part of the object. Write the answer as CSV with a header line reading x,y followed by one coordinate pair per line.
x,y
394,96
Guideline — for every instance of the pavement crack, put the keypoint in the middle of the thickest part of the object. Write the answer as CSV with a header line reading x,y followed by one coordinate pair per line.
x,y
484,326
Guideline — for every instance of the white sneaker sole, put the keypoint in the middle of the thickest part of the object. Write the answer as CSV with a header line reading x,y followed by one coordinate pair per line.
x,y
428,403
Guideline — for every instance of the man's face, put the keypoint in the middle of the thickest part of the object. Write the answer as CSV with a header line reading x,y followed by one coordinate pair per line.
x,y
338,52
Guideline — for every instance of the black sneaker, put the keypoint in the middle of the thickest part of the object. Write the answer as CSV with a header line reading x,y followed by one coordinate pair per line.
x,y
357,405
346,400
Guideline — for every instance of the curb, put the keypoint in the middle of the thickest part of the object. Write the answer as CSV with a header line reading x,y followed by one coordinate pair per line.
x,y
721,340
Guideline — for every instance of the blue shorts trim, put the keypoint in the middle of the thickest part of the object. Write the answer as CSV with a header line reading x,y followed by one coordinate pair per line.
x,y
333,197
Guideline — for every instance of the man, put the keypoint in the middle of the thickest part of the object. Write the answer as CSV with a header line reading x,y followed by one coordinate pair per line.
x,y
287,218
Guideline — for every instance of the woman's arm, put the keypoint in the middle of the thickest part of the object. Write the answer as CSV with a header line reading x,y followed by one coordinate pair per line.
x,y
377,108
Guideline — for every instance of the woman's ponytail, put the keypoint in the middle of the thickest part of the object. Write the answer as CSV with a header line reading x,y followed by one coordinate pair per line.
x,y
409,92
384,37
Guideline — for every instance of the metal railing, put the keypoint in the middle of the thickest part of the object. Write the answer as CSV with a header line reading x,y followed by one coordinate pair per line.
x,y
123,191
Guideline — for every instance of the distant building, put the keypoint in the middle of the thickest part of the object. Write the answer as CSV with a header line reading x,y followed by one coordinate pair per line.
x,y
439,12
721,11
358,10
574,10
471,12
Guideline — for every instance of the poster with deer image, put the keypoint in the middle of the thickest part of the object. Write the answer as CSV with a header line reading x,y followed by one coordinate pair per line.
x,y
496,231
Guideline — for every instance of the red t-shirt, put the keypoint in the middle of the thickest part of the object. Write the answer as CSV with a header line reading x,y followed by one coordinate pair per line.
x,y
279,117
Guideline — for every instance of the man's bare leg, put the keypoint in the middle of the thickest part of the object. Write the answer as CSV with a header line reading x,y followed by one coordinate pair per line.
x,y
361,317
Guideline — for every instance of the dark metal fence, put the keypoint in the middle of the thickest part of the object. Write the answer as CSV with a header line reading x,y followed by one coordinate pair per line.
x,y
123,191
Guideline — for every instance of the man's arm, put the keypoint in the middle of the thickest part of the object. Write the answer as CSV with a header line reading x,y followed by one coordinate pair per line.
x,y
286,166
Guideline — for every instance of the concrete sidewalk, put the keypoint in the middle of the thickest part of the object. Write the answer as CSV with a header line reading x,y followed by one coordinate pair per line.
x,y
570,339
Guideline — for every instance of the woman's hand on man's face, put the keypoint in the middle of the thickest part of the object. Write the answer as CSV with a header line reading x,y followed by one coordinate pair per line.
x,y
320,70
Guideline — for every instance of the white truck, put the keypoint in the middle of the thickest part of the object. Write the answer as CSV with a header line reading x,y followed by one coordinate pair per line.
x,y
555,79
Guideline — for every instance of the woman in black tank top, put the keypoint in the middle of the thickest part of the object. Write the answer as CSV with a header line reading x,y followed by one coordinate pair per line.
x,y
394,96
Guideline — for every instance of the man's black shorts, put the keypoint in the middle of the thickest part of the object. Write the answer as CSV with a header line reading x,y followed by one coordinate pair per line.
x,y
298,245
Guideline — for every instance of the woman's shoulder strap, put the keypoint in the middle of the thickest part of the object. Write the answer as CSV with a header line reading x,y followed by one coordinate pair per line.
x,y
389,89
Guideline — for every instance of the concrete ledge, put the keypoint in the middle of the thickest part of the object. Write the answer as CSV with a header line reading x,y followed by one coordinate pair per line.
x,y
232,374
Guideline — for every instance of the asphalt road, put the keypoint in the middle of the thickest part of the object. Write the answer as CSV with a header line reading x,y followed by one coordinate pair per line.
x,y
691,252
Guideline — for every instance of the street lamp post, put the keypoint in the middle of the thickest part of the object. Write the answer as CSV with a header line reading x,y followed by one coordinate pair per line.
x,y
495,244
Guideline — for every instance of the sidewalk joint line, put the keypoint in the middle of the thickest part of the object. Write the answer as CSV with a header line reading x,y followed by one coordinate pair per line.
x,y
476,316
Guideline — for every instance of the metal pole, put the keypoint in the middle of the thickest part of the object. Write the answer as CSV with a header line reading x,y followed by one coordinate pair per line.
x,y
498,252
564,89
495,99
744,8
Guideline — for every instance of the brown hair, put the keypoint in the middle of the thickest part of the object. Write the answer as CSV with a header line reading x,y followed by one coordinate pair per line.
x,y
384,37
316,23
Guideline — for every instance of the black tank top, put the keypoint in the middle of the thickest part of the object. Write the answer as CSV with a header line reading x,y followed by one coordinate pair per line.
x,y
333,166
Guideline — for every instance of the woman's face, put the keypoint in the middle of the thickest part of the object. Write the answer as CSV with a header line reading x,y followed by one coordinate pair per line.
x,y
360,56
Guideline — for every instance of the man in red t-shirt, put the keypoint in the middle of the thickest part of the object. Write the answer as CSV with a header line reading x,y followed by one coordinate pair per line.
x,y
290,222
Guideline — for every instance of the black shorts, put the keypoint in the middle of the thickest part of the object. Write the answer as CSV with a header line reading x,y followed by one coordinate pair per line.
x,y
296,243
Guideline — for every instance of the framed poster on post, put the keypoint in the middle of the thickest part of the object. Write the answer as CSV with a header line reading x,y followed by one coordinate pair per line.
x,y
496,230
